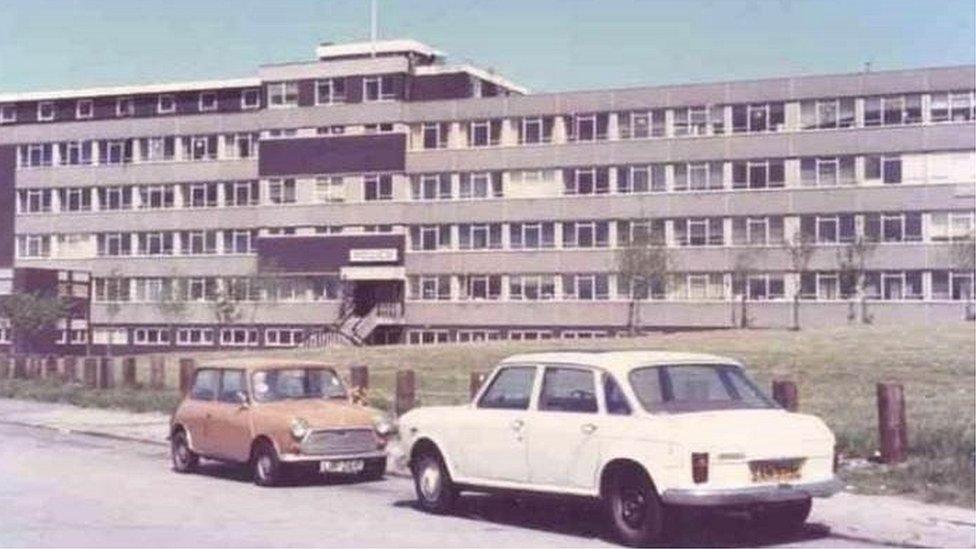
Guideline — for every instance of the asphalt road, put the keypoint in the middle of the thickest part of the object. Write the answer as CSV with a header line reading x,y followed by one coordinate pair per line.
x,y
60,489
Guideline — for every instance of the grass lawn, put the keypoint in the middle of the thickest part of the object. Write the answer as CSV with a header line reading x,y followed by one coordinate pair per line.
x,y
836,371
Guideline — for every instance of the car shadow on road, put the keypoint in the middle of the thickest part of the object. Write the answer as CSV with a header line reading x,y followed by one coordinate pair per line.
x,y
293,479
586,520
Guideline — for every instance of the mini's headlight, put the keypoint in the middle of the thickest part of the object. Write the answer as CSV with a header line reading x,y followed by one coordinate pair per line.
x,y
299,428
384,426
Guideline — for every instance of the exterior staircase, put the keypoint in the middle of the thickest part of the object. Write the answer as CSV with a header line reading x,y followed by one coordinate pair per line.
x,y
353,329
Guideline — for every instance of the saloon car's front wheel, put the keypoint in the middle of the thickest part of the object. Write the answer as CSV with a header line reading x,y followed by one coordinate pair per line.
x,y
185,460
783,519
634,509
266,468
435,490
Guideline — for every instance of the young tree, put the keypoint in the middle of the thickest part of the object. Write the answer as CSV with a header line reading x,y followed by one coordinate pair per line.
x,y
639,263
852,263
111,307
32,316
172,302
743,265
962,256
801,248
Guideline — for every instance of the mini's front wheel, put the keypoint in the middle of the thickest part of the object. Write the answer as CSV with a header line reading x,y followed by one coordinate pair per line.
x,y
184,459
435,490
634,509
266,468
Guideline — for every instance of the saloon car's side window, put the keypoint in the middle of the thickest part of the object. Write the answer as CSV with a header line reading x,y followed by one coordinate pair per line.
x,y
205,385
511,389
231,383
568,390
614,397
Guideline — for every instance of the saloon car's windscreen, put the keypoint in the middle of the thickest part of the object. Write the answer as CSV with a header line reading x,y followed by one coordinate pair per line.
x,y
292,383
696,387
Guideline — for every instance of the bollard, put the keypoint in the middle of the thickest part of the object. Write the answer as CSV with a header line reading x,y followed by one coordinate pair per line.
x,y
785,394
90,371
20,367
157,372
477,378
51,367
892,429
35,367
359,377
69,371
5,367
405,391
106,373
187,366
129,372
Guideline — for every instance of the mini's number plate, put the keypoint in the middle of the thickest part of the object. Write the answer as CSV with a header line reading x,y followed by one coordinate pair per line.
x,y
341,466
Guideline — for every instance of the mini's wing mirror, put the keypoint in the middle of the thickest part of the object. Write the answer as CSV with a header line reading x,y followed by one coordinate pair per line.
x,y
240,397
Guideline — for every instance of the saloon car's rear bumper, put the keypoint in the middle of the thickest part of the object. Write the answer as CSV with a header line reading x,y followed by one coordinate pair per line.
x,y
308,458
779,493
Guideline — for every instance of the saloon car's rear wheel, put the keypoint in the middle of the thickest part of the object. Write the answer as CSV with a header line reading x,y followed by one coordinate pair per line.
x,y
373,469
184,459
266,467
633,505
435,490
783,518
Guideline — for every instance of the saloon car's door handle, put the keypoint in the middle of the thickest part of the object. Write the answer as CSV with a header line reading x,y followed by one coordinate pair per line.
x,y
517,425
588,428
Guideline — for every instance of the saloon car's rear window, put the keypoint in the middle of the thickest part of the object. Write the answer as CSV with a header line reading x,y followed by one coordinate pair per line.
x,y
696,387
292,383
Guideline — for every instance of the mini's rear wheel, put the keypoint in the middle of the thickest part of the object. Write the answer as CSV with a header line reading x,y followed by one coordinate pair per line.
x,y
265,466
633,506
184,459
435,490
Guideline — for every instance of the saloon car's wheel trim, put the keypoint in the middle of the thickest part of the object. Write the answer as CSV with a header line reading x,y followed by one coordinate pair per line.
x,y
430,481
633,507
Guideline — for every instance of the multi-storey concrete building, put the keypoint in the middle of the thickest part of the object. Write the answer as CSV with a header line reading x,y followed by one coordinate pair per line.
x,y
386,195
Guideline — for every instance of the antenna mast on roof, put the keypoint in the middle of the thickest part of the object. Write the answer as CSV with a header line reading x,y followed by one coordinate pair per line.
x,y
372,28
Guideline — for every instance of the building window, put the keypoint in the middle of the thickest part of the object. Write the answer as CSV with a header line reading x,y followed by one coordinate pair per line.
x,y
33,246
954,286
36,155
484,133
239,337
282,94
471,336
8,114
150,336
758,174
157,149
84,108
330,91
699,231
165,104
883,168
699,121
113,244
586,234
642,179
958,106
200,147
428,337
824,114
125,106
588,127
582,181
434,135
480,185
640,125
379,88
194,336
535,130
481,236
757,231
951,226
238,241
207,101
155,197
330,189
431,187
241,145
481,287
75,153
200,195
115,152
279,337
430,288
893,110
242,193
699,176
34,201
531,287
155,243
46,111
282,191
893,227
641,232
378,187
430,237
250,99
75,200
586,287
115,198
532,236
827,171
759,117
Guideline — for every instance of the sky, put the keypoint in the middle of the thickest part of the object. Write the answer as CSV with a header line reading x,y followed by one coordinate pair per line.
x,y
545,45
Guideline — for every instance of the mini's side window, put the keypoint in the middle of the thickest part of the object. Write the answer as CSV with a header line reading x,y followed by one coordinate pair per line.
x,y
568,390
614,397
511,389
231,383
205,385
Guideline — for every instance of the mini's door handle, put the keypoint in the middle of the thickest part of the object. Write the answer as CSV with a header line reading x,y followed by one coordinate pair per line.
x,y
588,428
517,425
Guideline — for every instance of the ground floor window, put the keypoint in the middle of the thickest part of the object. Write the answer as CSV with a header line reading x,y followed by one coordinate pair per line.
x,y
194,336
239,337
529,335
470,336
279,337
150,336
428,337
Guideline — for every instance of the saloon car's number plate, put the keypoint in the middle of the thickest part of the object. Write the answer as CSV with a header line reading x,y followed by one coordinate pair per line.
x,y
341,466
775,470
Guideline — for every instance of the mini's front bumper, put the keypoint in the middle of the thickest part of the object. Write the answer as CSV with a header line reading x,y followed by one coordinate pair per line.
x,y
309,458
776,493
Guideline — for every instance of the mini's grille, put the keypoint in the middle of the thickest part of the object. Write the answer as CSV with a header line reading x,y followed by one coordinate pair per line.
x,y
339,442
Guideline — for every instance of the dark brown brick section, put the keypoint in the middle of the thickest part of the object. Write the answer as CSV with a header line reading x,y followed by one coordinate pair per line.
x,y
8,199
439,86
344,154
315,254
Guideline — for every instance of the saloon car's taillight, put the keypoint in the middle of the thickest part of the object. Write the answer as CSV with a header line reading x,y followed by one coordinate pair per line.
x,y
699,467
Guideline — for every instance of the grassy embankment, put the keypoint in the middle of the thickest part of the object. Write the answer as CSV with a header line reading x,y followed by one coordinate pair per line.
x,y
836,371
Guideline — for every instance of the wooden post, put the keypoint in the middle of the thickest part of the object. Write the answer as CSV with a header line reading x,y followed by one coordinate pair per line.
x,y
70,371
187,366
51,367
892,429
405,391
359,377
106,373
90,373
129,372
157,372
5,368
474,383
20,367
35,366
785,393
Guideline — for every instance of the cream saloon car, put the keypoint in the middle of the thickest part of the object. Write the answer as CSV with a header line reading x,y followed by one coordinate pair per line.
x,y
644,432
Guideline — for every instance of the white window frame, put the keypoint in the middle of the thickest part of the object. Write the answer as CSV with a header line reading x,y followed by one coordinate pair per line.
x,y
52,114
333,98
579,120
822,226
754,224
202,107
250,338
8,113
184,339
124,107
140,336
330,189
525,122
382,94
285,90
249,105
84,113
160,109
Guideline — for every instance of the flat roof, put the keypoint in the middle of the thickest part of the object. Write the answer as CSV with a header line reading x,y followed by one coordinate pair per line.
x,y
327,51
167,87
